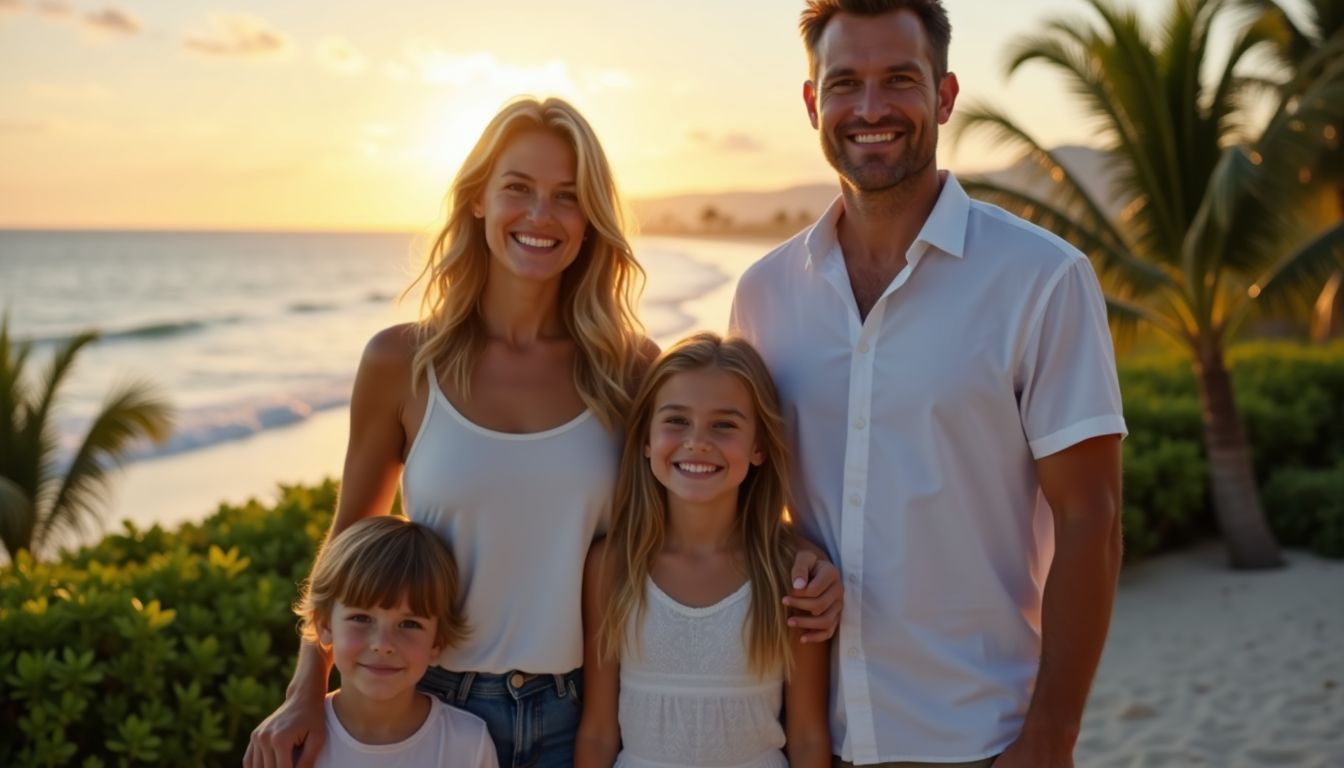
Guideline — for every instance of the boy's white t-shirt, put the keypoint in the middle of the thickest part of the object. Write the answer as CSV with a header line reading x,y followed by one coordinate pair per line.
x,y
449,738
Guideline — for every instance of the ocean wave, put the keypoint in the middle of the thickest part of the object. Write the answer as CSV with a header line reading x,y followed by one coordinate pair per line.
x,y
309,307
691,279
147,331
209,425
682,278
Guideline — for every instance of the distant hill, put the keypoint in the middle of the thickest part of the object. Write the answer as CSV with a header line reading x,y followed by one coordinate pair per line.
x,y
783,211
793,207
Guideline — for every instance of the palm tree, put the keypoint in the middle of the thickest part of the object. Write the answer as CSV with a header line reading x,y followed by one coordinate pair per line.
x,y
39,500
1306,52
1210,232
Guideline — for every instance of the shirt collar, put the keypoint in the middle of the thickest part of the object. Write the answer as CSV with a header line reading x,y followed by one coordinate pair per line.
x,y
944,229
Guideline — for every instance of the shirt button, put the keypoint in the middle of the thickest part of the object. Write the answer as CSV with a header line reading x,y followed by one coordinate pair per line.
x,y
517,680
856,500
860,423
863,348
853,578
852,653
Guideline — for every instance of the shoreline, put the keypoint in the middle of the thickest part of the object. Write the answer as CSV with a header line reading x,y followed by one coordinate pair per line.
x,y
183,487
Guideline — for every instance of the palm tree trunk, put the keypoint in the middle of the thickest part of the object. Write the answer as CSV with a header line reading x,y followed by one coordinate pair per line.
x,y
1325,315
1325,320
1236,499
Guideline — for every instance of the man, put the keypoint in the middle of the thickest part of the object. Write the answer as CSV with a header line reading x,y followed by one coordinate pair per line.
x,y
949,383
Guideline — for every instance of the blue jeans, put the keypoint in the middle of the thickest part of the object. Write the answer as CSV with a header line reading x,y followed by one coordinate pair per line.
x,y
532,718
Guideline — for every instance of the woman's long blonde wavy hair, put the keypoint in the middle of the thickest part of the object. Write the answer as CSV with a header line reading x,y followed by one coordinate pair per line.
x,y
639,511
597,292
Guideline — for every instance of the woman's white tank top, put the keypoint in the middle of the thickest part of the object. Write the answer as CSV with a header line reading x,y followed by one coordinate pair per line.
x,y
519,512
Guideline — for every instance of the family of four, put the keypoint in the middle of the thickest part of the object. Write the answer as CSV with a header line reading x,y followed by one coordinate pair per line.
x,y
598,564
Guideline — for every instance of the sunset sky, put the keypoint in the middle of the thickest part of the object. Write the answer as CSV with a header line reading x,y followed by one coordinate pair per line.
x,y
353,115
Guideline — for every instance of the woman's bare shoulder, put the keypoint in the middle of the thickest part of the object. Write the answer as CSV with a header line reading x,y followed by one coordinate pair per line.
x,y
392,348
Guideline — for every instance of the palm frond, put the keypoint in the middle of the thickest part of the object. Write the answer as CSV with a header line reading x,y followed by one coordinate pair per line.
x,y
1069,47
13,359
131,411
1125,316
1233,89
16,517
1206,240
1070,194
1137,75
37,441
1300,275
1292,44
1268,223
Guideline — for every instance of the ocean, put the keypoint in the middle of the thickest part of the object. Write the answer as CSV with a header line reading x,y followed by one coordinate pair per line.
x,y
254,339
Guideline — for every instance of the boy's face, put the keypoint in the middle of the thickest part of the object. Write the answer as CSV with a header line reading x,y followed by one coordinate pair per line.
x,y
381,652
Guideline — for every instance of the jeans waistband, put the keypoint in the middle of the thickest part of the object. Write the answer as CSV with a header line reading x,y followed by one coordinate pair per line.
x,y
513,684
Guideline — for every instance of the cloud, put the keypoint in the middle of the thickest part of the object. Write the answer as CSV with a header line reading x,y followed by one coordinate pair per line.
x,y
734,143
11,6
338,55
53,8
112,21
238,35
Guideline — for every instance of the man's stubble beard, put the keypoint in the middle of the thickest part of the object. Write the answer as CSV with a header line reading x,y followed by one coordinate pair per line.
x,y
875,176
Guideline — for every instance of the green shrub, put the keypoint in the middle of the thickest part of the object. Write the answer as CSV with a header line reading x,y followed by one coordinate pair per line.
x,y
156,647
1164,493
1291,398
1307,508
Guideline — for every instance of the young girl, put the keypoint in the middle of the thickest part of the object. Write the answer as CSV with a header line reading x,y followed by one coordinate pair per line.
x,y
382,601
687,655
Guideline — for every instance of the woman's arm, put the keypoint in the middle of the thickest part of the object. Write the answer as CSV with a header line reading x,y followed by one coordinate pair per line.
x,y
599,737
807,729
373,455
368,485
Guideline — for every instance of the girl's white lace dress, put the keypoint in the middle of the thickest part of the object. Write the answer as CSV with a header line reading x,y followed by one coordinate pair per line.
x,y
687,697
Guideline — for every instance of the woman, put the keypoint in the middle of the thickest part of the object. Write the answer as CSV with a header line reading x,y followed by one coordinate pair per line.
x,y
504,406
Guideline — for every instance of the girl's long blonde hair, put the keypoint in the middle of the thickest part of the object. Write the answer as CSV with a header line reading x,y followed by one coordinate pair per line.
x,y
639,511
597,292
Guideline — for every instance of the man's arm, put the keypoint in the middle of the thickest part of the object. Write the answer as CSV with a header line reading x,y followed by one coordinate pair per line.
x,y
1082,485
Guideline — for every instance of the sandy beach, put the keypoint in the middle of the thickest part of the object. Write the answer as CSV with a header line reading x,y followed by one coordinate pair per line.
x,y
1205,666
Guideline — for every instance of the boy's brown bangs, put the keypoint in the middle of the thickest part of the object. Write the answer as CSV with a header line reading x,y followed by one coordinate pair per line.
x,y
402,568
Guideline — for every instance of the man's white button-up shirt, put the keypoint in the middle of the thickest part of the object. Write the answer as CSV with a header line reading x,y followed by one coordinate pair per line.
x,y
914,435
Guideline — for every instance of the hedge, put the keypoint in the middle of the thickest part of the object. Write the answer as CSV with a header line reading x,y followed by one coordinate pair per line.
x,y
1291,398
156,647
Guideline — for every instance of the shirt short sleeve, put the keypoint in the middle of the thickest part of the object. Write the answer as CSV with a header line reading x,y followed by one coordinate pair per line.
x,y
1068,388
739,314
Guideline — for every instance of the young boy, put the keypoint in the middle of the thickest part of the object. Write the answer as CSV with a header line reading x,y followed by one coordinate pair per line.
x,y
381,599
